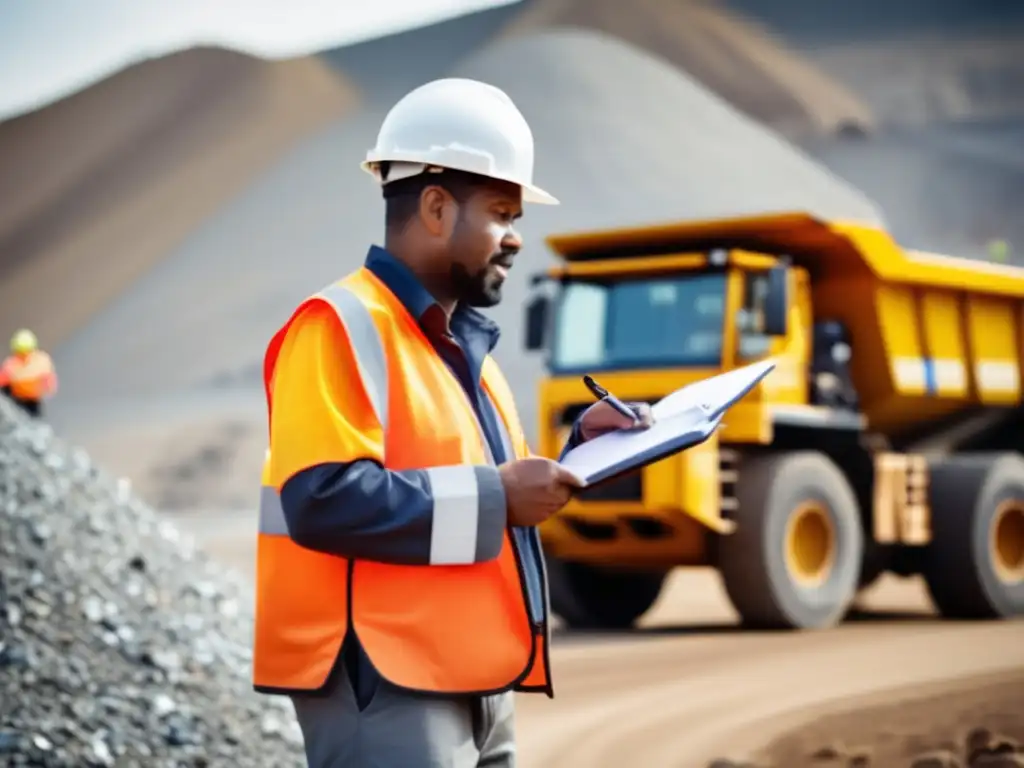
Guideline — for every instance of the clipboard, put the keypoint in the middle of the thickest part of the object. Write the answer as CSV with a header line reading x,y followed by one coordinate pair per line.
x,y
683,419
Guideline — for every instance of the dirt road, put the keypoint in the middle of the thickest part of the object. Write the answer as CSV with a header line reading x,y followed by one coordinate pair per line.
x,y
688,687
684,697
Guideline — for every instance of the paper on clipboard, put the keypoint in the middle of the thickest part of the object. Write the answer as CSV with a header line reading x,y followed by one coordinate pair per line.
x,y
683,419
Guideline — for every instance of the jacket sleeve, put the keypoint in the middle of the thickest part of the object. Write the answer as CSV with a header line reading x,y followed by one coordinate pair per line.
x,y
575,437
327,460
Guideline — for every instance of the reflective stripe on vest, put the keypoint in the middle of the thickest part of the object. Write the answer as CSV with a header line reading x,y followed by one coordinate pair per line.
x,y
368,351
272,522
366,346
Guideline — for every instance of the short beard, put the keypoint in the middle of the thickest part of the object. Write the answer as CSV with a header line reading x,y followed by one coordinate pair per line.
x,y
475,290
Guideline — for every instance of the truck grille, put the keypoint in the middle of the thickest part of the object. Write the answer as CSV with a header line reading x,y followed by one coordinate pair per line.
x,y
626,488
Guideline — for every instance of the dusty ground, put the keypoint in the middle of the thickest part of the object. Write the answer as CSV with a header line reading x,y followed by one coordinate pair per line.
x,y
181,453
691,688
907,724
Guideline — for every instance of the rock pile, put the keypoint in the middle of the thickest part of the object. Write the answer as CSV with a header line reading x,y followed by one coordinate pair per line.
x,y
120,644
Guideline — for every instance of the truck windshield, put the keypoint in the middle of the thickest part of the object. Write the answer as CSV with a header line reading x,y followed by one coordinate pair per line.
x,y
651,322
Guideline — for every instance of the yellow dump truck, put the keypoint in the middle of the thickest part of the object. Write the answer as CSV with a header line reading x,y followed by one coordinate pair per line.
x,y
887,439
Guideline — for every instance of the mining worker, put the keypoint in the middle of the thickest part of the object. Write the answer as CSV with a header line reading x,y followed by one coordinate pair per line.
x,y
27,375
401,594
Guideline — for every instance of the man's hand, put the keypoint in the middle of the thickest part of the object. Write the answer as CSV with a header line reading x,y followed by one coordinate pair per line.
x,y
535,489
601,417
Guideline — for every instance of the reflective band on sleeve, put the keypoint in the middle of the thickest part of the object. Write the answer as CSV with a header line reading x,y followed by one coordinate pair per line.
x,y
367,346
272,522
453,533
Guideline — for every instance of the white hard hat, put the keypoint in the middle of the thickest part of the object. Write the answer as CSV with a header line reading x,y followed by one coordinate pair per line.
x,y
459,124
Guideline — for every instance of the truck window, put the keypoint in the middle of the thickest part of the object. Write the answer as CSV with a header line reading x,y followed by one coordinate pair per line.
x,y
579,334
659,322
753,344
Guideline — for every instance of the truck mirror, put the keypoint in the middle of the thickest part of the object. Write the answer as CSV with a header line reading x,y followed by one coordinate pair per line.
x,y
537,311
776,302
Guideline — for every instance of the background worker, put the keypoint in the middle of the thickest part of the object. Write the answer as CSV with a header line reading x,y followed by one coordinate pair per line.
x,y
27,375
401,595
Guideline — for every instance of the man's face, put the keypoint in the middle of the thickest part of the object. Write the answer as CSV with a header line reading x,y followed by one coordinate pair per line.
x,y
484,243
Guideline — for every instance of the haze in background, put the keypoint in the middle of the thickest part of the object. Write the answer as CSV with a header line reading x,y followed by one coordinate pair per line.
x,y
53,48
157,226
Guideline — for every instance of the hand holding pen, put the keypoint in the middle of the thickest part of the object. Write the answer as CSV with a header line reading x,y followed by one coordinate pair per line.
x,y
610,413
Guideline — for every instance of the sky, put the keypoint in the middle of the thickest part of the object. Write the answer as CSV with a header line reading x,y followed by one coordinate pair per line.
x,y
51,48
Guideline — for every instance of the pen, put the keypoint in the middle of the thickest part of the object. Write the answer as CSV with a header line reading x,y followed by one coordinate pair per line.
x,y
603,394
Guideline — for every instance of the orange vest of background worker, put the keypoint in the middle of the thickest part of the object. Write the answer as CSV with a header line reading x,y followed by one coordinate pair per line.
x,y
27,376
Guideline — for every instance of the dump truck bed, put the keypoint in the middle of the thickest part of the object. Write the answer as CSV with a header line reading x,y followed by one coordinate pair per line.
x,y
932,335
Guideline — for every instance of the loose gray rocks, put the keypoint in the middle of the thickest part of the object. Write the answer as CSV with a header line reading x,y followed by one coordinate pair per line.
x,y
120,643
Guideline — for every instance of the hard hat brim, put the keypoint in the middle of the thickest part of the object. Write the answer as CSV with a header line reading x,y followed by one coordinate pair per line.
x,y
531,192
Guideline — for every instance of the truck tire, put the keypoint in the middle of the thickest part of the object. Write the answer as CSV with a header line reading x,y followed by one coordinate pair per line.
x,y
590,597
974,565
794,561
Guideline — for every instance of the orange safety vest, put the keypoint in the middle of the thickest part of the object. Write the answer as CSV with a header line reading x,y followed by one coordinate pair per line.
x,y
31,377
456,628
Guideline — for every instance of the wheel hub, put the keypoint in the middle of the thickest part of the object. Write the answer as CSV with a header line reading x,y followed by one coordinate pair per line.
x,y
1006,543
810,544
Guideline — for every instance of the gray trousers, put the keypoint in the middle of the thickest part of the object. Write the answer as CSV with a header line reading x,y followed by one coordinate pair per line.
x,y
398,729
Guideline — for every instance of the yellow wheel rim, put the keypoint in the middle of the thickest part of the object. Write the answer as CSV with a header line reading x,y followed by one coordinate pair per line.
x,y
1006,543
810,544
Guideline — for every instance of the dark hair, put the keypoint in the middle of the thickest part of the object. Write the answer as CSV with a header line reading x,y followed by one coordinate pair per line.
x,y
402,197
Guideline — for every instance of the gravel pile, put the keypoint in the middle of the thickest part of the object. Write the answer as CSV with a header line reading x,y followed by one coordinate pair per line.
x,y
120,644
